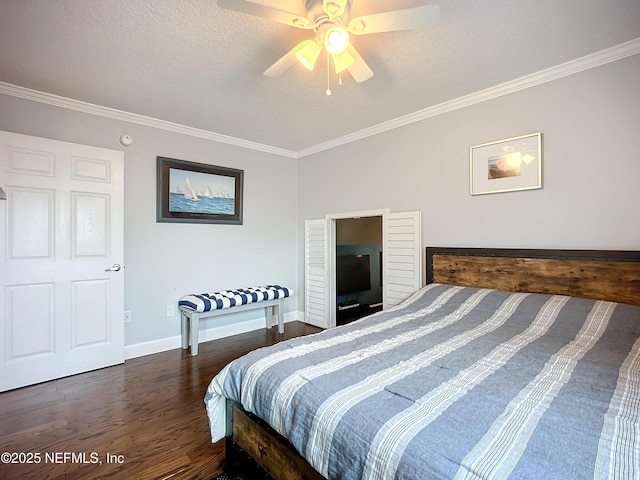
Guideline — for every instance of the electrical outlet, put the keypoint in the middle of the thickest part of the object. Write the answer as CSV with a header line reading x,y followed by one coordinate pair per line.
x,y
171,310
127,316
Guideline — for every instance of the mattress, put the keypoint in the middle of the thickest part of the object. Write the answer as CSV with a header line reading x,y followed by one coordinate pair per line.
x,y
455,382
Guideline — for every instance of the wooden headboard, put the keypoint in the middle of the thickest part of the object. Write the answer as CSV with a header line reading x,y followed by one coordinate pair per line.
x,y
612,275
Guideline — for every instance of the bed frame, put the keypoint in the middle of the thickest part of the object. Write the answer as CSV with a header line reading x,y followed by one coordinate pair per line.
x,y
600,274
611,275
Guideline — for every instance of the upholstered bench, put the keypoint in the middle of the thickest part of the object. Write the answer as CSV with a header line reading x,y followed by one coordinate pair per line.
x,y
195,307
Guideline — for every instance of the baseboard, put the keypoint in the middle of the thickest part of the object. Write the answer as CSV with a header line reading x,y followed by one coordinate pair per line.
x,y
171,343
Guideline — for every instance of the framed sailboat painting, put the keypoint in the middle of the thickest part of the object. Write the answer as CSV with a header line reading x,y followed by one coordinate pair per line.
x,y
190,192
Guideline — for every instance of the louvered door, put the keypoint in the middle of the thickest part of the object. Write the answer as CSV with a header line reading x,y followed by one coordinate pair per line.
x,y
401,256
316,272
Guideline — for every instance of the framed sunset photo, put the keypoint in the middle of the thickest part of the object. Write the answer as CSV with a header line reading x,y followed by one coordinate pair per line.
x,y
506,165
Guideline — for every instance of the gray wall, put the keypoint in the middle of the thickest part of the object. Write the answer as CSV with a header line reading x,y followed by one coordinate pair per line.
x,y
164,261
591,169
590,196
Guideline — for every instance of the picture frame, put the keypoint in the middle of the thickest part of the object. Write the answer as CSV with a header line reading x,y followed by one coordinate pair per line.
x,y
506,165
190,192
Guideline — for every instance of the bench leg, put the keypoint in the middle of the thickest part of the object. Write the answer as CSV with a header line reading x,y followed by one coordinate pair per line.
x,y
272,311
280,317
268,317
184,329
195,331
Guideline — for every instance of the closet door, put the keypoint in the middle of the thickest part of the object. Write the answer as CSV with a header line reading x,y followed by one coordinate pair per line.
x,y
401,256
317,278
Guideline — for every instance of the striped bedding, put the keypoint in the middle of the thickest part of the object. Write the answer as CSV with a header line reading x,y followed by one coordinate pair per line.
x,y
457,383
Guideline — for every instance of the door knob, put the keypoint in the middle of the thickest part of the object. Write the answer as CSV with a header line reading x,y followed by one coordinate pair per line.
x,y
116,268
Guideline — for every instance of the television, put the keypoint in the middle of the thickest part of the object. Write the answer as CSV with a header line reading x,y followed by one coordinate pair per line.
x,y
353,274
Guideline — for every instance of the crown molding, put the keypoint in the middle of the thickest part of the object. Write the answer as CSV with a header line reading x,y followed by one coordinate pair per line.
x,y
578,65
92,109
581,64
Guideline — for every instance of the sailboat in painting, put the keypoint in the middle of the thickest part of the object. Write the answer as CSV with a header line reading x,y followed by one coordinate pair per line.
x,y
189,194
193,194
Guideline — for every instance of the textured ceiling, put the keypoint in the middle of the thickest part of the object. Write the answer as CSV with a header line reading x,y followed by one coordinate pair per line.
x,y
195,64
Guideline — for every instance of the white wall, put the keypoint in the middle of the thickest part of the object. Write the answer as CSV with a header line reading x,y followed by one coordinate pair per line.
x,y
164,261
591,169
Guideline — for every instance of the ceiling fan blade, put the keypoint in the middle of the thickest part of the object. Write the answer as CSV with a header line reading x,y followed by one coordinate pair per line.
x,y
359,70
407,19
270,13
285,62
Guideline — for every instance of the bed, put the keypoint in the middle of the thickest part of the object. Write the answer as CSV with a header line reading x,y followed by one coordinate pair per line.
x,y
507,364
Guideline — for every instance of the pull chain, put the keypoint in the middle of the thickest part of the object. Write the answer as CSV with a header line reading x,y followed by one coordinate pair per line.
x,y
328,91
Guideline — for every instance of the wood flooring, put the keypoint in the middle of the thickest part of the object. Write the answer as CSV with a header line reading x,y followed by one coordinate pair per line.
x,y
141,420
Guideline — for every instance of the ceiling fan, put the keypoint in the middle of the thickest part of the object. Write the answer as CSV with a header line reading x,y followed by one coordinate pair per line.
x,y
330,21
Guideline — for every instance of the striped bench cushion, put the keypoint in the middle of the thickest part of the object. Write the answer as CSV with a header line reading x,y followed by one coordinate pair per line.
x,y
205,302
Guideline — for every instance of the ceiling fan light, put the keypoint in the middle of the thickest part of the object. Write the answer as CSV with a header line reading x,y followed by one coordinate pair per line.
x,y
308,53
336,40
342,61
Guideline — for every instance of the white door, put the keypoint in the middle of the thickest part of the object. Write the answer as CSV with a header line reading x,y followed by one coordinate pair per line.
x,y
61,244
317,279
401,256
